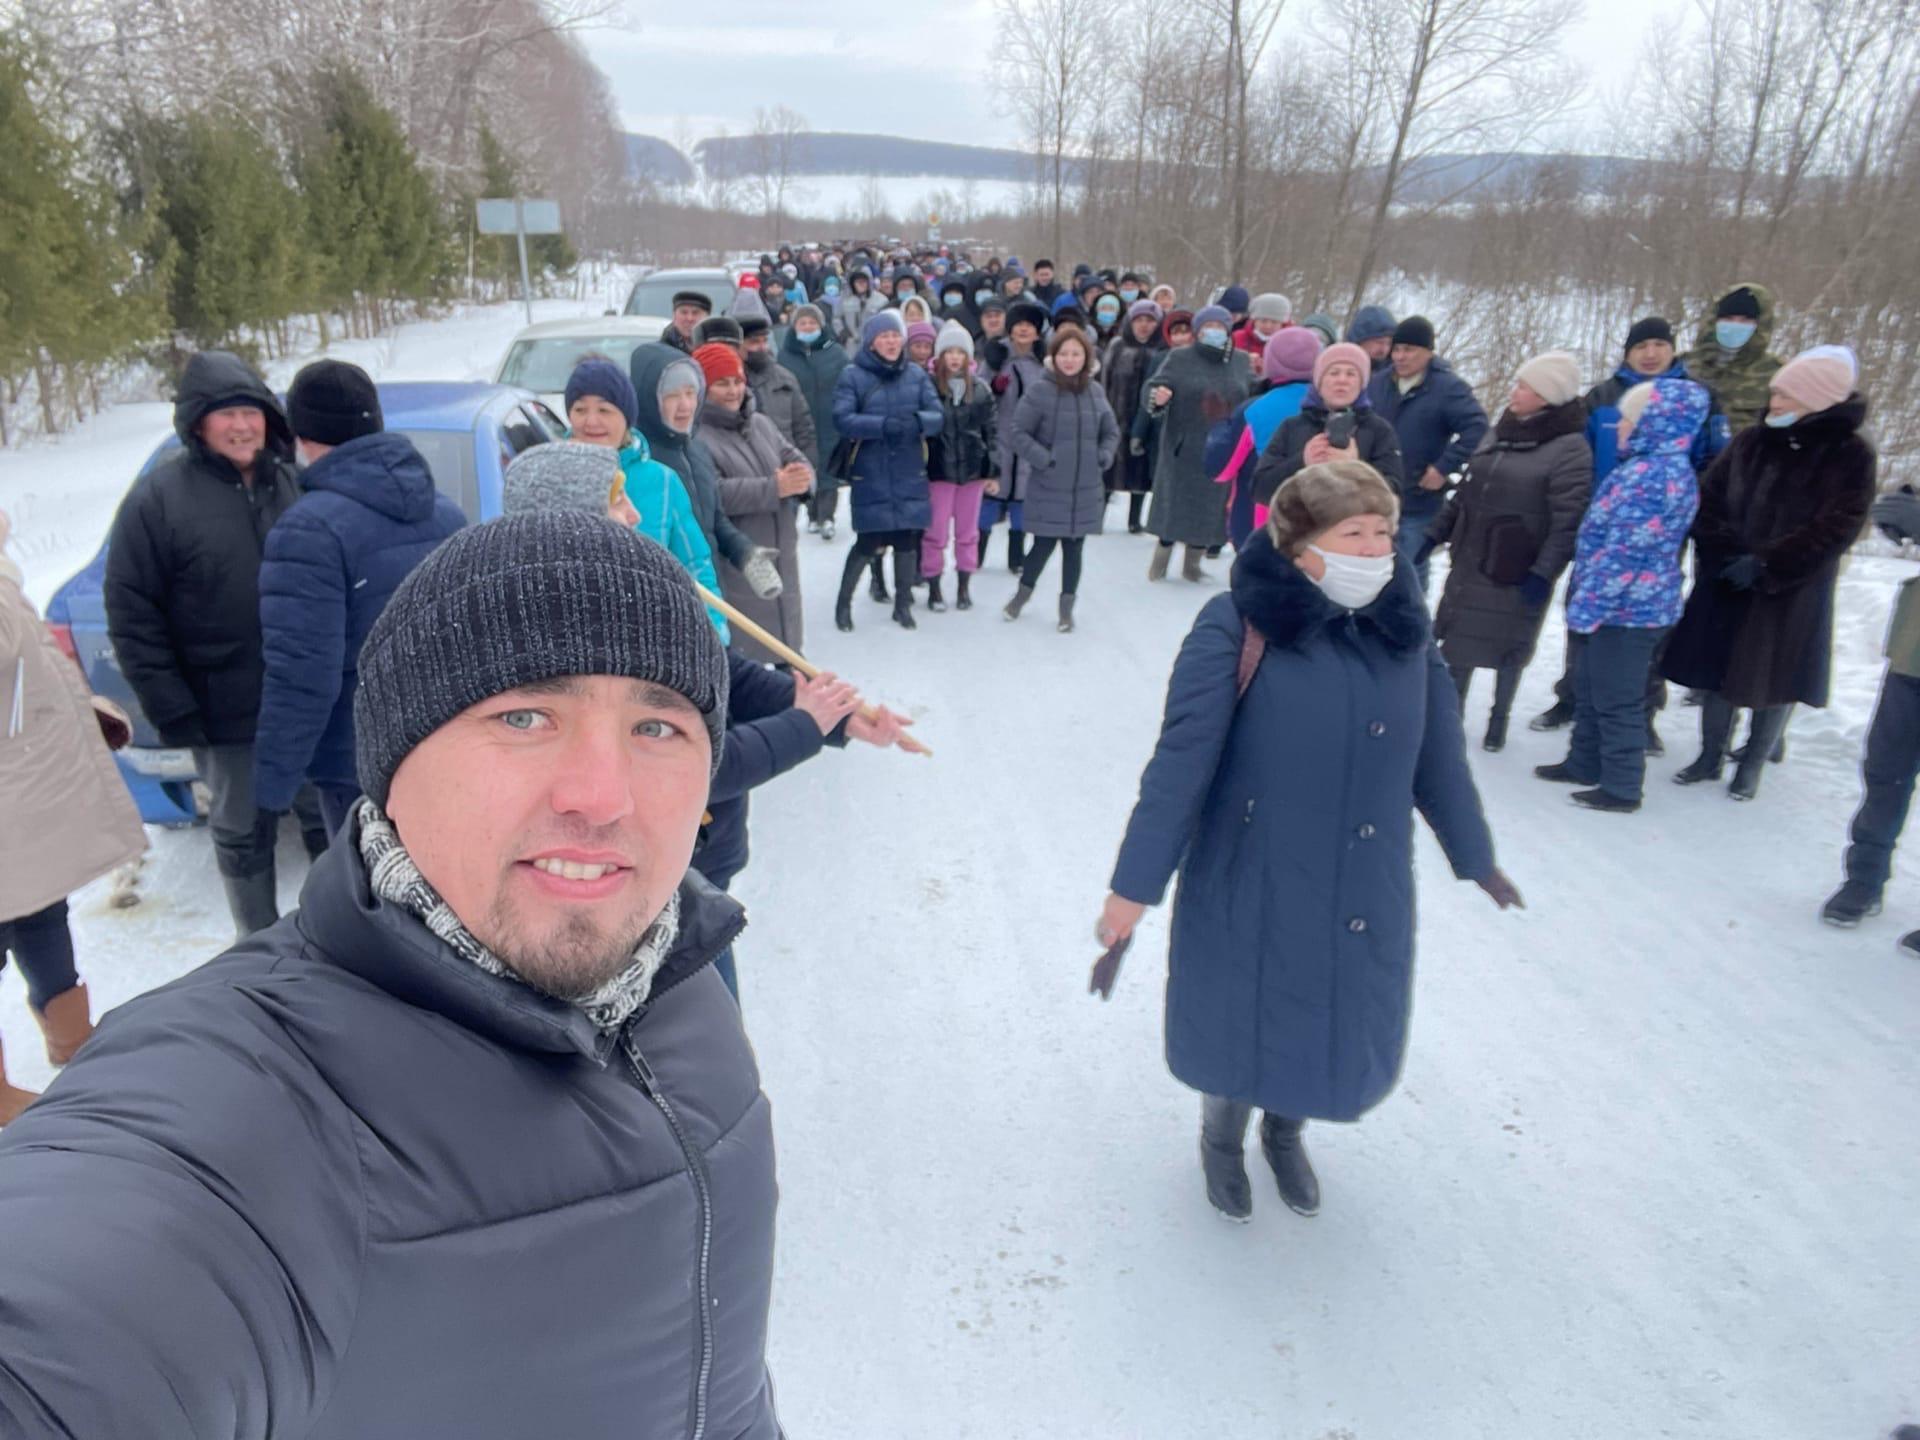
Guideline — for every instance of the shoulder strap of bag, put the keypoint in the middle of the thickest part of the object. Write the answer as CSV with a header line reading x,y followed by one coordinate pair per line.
x,y
1253,648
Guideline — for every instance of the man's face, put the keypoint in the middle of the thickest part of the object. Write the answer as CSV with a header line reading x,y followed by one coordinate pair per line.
x,y
1378,349
556,820
993,323
775,295
1411,360
1651,357
888,344
1042,274
1266,329
756,343
685,317
237,433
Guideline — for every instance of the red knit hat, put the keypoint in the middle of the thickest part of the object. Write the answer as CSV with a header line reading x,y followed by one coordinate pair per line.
x,y
718,362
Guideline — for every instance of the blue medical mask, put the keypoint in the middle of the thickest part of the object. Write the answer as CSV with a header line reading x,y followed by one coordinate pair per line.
x,y
950,300
1781,422
1107,313
1129,294
832,287
905,292
1214,336
981,297
811,337
1732,334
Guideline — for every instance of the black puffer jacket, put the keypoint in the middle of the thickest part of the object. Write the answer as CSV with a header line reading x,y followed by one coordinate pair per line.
x,y
1286,453
968,446
342,1183
183,566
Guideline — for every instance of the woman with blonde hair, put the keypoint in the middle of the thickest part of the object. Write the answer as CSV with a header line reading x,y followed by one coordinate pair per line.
x,y
1309,716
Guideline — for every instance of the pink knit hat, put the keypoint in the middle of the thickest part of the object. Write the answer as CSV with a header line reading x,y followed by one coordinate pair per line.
x,y
921,330
1290,354
1334,354
1818,379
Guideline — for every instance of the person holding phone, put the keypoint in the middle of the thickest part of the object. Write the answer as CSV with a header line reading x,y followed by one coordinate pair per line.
x,y
1336,421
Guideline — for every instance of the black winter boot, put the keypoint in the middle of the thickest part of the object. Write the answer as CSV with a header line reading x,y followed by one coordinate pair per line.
x,y
1280,1142
1556,716
1604,800
962,600
1654,744
904,566
936,602
879,587
1065,626
1716,725
1016,550
1496,740
1223,1139
1851,903
849,582
1562,774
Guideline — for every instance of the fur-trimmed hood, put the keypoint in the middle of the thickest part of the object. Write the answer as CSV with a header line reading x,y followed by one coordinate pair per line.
x,y
1279,600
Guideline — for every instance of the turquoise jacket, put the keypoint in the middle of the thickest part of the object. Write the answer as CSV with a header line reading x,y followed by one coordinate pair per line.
x,y
666,517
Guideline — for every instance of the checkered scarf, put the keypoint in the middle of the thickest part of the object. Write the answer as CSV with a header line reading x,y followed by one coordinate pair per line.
x,y
395,878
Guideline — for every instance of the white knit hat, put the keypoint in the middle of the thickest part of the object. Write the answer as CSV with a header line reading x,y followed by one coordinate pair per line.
x,y
953,336
1553,376
1271,306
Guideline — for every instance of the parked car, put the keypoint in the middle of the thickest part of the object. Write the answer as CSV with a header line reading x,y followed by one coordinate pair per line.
x,y
542,356
466,432
654,295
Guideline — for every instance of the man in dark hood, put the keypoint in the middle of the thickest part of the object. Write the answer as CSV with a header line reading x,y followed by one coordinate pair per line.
x,y
182,594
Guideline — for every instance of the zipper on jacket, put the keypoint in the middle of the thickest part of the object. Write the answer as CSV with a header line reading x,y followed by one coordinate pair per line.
x,y
697,1171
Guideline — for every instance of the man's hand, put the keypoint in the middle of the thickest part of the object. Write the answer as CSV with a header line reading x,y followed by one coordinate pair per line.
x,y
1118,918
826,699
1433,480
793,479
884,729
1158,397
1502,891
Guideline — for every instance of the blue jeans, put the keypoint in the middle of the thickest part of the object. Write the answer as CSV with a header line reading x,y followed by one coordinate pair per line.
x,y
1888,768
1610,709
42,946
1411,539
991,509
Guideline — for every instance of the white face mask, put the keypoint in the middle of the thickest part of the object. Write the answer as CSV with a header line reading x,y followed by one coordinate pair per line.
x,y
1353,582
1781,422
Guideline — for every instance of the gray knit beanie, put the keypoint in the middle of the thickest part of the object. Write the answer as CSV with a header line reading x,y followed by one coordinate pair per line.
x,y
515,601
562,475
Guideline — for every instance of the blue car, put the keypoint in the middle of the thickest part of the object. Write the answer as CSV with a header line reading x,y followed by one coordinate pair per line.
x,y
466,432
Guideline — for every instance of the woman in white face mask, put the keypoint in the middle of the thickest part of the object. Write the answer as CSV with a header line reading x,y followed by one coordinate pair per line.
x,y
1308,717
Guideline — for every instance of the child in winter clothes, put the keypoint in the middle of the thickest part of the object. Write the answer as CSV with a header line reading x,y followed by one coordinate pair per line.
x,y
1287,366
920,338
602,409
1626,587
1064,429
962,463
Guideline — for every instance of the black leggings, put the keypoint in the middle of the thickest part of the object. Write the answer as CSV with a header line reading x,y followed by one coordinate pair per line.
x,y
1071,552
877,542
42,946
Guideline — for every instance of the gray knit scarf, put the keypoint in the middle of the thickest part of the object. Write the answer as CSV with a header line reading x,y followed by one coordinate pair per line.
x,y
394,877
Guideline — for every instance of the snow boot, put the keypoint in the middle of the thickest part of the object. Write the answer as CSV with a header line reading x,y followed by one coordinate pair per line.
x,y
1065,627
1654,744
1018,602
1604,800
936,602
1701,771
826,529
1157,564
251,901
904,566
813,527
1496,739
1557,716
1909,945
1223,1139
1016,550
1280,1142
962,600
1562,774
879,587
1746,776
66,1023
13,1100
1850,904
849,582
1190,563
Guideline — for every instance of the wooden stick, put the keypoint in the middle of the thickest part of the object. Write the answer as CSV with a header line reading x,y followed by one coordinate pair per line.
x,y
798,661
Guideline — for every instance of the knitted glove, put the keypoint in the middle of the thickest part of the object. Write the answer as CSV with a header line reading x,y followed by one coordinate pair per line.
x,y
763,575
1535,591
1744,573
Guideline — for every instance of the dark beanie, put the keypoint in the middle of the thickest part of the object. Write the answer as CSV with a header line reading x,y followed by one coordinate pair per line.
x,y
520,600
1414,330
606,381
692,297
1652,327
720,329
331,402
1738,303
1235,299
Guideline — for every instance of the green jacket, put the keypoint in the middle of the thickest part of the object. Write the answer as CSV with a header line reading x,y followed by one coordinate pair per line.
x,y
1740,380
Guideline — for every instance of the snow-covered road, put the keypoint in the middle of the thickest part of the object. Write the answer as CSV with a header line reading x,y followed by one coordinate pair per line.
x,y
1651,1172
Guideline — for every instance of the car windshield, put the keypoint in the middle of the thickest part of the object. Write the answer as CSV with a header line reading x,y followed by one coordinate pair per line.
x,y
449,456
655,297
545,364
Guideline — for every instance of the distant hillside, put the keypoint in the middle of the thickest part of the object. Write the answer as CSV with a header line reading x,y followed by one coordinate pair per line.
x,y
650,158
1432,180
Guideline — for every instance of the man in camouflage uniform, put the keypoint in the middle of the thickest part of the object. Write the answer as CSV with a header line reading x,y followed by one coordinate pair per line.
x,y
1730,356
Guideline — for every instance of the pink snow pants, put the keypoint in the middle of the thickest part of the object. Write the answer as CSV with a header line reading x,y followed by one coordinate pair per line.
x,y
956,509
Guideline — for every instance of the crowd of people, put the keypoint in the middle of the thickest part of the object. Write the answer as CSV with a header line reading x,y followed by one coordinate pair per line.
x,y
521,754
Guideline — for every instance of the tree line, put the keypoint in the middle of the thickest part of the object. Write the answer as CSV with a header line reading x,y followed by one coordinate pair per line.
x,y
237,173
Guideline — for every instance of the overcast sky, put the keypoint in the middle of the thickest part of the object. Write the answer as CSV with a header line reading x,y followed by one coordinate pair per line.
x,y
915,71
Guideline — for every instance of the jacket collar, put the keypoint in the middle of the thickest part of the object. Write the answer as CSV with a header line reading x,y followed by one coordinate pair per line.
x,y
1511,432
385,945
1278,599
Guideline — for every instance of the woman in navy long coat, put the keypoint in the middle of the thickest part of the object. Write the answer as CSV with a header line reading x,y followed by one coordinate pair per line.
x,y
1285,800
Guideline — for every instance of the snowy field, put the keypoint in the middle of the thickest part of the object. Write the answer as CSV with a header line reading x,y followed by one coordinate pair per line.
x,y
1651,1172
